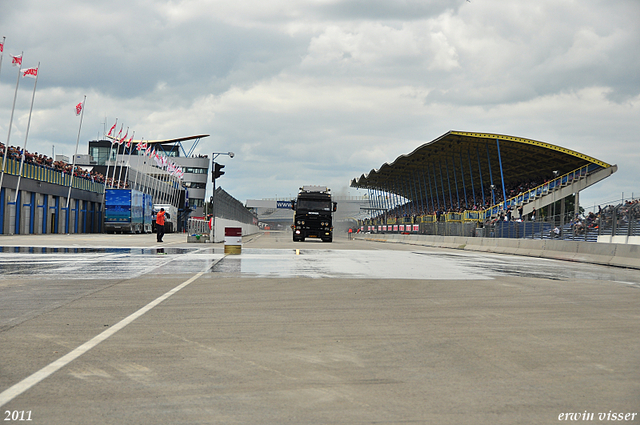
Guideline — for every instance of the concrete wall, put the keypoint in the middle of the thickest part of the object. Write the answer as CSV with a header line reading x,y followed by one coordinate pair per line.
x,y
221,223
610,254
634,240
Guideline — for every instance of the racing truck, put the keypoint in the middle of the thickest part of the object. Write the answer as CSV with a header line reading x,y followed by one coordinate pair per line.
x,y
313,214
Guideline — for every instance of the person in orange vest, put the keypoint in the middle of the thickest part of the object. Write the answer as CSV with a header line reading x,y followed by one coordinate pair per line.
x,y
160,225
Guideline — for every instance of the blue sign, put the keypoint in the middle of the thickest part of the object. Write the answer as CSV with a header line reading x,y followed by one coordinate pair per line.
x,y
283,205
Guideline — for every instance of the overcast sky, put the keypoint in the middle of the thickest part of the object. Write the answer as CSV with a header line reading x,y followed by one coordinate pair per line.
x,y
322,91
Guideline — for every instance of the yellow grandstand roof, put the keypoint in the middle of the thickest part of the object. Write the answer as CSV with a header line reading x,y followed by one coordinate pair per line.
x,y
467,157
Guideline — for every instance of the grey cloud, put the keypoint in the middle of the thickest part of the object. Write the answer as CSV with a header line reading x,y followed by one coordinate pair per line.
x,y
385,9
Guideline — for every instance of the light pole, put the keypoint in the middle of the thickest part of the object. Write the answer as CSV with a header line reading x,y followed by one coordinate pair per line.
x,y
555,185
216,171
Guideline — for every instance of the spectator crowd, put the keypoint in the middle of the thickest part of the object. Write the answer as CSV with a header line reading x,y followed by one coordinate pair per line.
x,y
44,161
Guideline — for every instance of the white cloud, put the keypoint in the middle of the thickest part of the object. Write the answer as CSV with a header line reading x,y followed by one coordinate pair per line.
x,y
323,91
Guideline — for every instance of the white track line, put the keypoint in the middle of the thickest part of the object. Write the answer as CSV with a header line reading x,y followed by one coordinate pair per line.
x,y
22,386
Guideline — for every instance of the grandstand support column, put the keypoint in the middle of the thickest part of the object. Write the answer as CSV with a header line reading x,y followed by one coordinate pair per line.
x,y
504,192
444,196
473,189
480,171
455,179
376,198
493,196
388,200
396,197
377,202
402,188
411,192
576,204
427,191
418,194
435,183
394,192
562,212
464,186
372,201
418,186
446,164
410,201
405,206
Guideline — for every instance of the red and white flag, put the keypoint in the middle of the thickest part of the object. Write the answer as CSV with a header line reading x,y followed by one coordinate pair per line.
x,y
113,127
125,136
119,133
30,72
79,107
16,60
2,46
129,141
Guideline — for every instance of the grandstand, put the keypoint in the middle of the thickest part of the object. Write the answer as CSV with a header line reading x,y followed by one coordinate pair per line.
x,y
480,180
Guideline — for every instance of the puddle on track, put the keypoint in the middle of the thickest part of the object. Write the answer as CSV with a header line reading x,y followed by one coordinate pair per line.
x,y
120,263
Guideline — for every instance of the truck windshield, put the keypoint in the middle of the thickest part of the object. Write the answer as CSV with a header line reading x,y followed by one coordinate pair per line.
x,y
314,204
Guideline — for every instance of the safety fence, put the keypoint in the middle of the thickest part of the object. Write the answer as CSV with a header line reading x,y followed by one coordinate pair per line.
x,y
226,206
620,220
48,175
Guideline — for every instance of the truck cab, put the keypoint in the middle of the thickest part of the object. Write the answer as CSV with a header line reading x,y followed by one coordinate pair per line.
x,y
313,217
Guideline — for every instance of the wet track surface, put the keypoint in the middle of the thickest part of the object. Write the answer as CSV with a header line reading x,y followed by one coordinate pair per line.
x,y
116,329
90,263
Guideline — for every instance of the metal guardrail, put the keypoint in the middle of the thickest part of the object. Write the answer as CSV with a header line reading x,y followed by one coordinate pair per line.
x,y
197,226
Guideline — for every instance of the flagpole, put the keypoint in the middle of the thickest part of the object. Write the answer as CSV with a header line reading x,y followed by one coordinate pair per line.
x,y
115,162
135,182
176,192
126,175
24,147
73,163
6,148
2,51
106,174
120,173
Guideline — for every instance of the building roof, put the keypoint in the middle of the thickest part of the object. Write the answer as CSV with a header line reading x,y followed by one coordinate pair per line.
x,y
465,157
163,141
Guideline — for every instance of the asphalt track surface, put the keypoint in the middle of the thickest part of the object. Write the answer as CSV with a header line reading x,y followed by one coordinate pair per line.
x,y
116,329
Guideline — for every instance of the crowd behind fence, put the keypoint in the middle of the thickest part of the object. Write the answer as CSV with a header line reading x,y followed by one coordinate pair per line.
x,y
612,220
